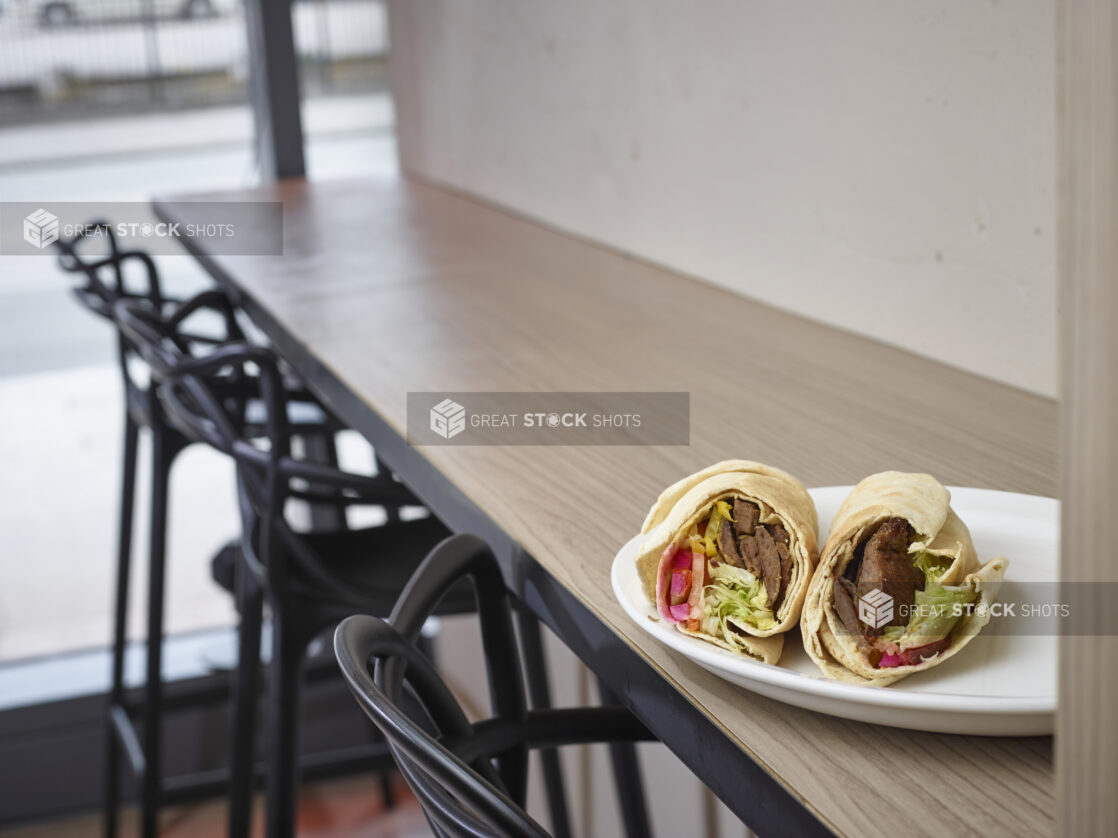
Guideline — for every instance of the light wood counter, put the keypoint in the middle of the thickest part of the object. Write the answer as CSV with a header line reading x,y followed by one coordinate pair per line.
x,y
395,286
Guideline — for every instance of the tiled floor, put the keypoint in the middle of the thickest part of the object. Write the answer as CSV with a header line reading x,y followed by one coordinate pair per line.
x,y
345,808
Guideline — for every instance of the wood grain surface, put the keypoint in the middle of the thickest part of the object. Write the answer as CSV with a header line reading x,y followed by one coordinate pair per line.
x,y
1087,728
399,286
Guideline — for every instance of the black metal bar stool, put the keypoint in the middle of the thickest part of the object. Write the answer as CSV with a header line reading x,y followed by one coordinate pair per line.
x,y
104,283
131,275
471,778
309,580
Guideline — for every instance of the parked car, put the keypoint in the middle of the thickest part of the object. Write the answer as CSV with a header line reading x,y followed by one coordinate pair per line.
x,y
68,12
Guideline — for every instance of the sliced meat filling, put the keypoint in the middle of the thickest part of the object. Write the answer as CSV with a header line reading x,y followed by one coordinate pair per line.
x,y
845,596
746,515
762,549
728,545
783,544
770,563
887,566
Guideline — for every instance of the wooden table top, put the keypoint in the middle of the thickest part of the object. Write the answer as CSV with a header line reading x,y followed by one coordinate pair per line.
x,y
398,286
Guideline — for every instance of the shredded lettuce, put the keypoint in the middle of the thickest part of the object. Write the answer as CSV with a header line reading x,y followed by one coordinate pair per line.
x,y
937,608
933,566
734,597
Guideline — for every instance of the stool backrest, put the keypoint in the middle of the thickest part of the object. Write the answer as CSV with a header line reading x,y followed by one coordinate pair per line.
x,y
130,277
160,339
470,779
110,276
208,398
106,274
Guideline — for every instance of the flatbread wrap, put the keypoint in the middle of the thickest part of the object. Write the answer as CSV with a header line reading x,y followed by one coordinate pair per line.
x,y
899,588
728,553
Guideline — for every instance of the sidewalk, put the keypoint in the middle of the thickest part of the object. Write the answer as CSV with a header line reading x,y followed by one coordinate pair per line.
x,y
224,128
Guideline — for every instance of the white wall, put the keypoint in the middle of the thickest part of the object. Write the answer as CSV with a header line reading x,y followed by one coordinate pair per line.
x,y
887,167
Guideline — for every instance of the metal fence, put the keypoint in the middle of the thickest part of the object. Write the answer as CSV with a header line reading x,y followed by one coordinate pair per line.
x,y
70,58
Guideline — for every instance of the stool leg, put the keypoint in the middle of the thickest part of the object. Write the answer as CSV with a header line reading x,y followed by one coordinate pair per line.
x,y
161,455
322,448
245,702
539,693
120,623
627,779
288,647
387,795
392,512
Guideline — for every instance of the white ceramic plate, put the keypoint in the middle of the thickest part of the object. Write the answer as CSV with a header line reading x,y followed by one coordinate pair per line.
x,y
1000,685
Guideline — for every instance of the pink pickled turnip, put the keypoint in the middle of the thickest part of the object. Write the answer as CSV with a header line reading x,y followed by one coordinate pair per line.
x,y
681,586
698,580
914,656
663,573
673,584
